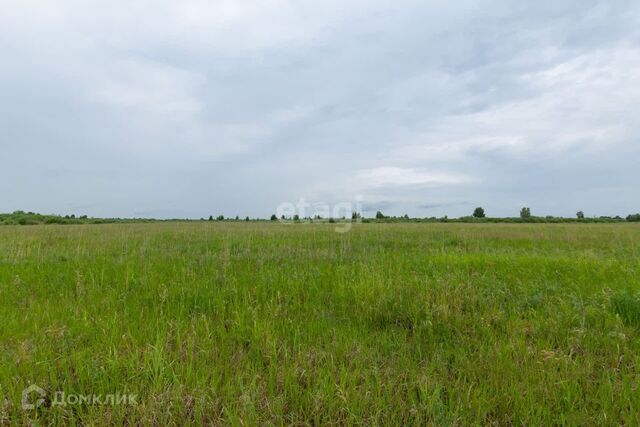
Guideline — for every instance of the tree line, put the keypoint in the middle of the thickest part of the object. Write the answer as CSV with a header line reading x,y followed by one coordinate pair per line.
x,y
477,215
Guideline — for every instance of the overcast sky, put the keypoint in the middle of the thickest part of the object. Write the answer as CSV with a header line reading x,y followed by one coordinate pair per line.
x,y
191,108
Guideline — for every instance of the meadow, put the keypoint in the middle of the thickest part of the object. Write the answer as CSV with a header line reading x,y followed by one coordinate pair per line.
x,y
265,323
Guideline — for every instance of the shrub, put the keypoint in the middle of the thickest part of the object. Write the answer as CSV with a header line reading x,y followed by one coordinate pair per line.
x,y
54,220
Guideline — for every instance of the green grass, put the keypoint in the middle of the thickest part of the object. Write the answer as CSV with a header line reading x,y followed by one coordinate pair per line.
x,y
263,323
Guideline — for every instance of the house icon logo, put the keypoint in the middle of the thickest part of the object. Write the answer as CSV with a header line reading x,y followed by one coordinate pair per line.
x,y
32,397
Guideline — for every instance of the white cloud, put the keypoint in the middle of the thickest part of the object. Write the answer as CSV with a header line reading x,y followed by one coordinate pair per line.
x,y
145,87
587,102
394,176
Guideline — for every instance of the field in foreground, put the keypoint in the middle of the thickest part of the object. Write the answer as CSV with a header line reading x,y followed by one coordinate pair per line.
x,y
264,323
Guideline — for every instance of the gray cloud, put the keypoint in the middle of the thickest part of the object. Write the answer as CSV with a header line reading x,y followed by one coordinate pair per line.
x,y
188,109
378,206
442,205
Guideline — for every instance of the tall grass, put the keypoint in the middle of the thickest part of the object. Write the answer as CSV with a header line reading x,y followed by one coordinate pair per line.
x,y
262,323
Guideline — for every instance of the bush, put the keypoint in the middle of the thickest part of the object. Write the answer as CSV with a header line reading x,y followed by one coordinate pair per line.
x,y
54,220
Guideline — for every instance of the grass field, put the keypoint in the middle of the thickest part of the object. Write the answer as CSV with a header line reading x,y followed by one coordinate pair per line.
x,y
262,323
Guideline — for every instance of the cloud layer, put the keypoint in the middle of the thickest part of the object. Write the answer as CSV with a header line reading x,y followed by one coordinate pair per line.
x,y
192,108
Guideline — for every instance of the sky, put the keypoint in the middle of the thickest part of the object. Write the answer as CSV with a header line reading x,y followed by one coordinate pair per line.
x,y
192,108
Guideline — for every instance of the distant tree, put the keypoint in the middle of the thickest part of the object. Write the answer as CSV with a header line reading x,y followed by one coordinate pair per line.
x,y
406,216
210,217
296,218
246,219
525,213
355,215
274,217
379,215
580,215
478,212
634,218
220,218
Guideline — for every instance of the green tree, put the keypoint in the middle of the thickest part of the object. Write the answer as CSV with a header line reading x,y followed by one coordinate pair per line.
x,y
274,217
379,215
525,213
580,215
478,212
210,217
